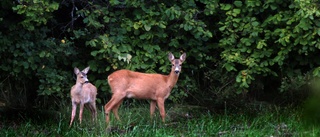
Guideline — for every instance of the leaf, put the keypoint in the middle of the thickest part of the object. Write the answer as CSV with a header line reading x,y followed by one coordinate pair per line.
x,y
94,53
42,54
161,25
136,26
92,43
147,27
187,27
25,65
255,23
238,78
236,12
16,69
244,84
261,44
273,7
222,28
316,72
229,67
238,3
226,7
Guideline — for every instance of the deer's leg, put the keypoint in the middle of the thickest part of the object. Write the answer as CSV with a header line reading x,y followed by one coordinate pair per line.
x,y
88,106
152,107
116,98
81,111
115,109
160,102
92,107
73,113
107,110
94,111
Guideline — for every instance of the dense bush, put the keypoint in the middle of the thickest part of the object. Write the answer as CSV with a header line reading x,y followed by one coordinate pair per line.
x,y
233,47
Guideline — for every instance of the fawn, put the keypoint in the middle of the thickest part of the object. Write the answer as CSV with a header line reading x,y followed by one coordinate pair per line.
x,y
83,93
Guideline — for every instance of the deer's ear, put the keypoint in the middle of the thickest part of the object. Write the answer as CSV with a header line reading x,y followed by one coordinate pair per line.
x,y
170,56
86,70
183,57
76,70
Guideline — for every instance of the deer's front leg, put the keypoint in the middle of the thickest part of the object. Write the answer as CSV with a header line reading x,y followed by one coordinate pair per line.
x,y
73,113
160,102
114,101
81,111
115,110
152,107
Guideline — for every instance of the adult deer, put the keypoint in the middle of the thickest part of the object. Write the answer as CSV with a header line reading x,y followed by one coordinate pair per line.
x,y
83,93
130,84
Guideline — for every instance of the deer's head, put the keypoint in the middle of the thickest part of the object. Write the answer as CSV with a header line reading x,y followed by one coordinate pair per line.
x,y
81,75
176,63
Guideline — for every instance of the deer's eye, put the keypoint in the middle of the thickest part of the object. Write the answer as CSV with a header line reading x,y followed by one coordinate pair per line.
x,y
81,77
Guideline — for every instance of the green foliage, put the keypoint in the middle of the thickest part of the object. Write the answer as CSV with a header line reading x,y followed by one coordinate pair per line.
x,y
222,88
285,37
138,36
35,12
34,58
242,41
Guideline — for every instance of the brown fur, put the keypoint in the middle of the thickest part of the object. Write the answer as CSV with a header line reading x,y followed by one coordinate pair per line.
x,y
130,84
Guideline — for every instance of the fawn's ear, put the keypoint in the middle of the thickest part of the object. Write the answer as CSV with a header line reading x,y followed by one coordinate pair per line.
x,y
183,57
76,70
170,56
85,71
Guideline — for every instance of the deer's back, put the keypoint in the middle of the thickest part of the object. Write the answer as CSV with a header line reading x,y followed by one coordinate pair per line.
x,y
137,84
90,90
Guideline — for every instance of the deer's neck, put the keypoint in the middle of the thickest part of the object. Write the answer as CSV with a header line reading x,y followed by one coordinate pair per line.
x,y
172,79
78,86
80,83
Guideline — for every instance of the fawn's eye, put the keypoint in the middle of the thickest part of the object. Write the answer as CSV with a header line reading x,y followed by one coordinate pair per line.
x,y
81,77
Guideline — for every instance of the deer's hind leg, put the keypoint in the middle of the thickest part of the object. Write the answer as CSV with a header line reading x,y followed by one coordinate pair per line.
x,y
93,110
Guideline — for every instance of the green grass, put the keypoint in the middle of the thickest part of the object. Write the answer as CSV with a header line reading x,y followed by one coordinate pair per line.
x,y
135,121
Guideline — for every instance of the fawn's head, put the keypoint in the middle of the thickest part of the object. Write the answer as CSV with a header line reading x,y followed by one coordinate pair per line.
x,y
81,75
176,63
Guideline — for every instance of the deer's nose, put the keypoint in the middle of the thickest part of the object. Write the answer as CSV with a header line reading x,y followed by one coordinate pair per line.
x,y
86,80
176,70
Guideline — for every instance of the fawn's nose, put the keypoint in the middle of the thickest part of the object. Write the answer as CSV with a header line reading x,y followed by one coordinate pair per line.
x,y
86,80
